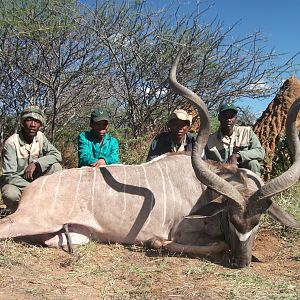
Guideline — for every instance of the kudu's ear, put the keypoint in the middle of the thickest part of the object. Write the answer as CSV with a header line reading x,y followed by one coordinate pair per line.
x,y
281,216
209,210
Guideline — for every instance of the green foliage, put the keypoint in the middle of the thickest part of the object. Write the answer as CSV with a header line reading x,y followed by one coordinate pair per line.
x,y
214,123
34,18
132,150
288,200
282,159
9,126
67,145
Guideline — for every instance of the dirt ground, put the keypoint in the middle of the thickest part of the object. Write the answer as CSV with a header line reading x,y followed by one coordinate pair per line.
x,y
98,271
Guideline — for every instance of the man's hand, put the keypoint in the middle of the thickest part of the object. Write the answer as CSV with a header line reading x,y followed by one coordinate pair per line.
x,y
28,173
99,162
233,159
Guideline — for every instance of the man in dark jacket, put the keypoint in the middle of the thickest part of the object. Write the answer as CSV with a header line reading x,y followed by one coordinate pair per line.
x,y
177,139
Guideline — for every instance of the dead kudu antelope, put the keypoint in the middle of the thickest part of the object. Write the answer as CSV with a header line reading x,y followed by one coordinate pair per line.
x,y
147,203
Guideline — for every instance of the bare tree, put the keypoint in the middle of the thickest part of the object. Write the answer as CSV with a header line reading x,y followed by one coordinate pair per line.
x,y
52,62
67,57
141,44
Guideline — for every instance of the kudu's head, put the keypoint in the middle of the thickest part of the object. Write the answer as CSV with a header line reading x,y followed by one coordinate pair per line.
x,y
243,203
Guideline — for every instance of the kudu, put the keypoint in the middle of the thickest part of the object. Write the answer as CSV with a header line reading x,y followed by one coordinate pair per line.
x,y
148,203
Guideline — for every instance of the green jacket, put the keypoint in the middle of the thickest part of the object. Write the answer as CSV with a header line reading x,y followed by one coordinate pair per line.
x,y
17,155
243,139
90,150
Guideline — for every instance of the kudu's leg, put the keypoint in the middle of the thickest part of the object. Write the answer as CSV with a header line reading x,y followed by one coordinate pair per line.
x,y
216,248
13,226
69,241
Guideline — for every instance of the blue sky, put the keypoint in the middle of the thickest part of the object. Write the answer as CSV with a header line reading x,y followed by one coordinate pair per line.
x,y
276,20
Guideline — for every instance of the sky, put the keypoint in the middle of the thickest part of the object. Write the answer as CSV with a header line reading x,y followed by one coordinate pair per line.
x,y
278,21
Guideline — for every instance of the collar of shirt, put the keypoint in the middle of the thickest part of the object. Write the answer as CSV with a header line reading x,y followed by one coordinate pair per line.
x,y
95,140
32,149
23,142
181,147
228,140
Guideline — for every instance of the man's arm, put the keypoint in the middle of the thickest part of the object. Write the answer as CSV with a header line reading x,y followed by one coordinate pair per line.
x,y
255,150
153,151
160,145
85,156
50,155
10,167
113,157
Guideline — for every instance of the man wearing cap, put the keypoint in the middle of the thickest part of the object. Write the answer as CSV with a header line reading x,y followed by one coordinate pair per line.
x,y
97,147
26,156
234,144
177,139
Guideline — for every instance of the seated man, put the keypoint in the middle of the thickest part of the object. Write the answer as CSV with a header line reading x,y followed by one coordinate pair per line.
x,y
96,147
234,144
26,156
176,139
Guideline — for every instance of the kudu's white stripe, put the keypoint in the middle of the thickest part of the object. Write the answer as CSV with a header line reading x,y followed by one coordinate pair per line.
x,y
41,193
93,188
76,193
164,195
57,187
172,191
124,198
152,199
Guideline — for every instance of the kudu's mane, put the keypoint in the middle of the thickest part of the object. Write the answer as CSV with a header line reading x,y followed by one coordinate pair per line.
x,y
237,177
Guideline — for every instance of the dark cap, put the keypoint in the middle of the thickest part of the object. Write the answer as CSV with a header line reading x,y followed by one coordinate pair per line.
x,y
99,114
34,112
227,106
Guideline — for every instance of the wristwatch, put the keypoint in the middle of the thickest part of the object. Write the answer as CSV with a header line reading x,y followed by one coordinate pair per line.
x,y
35,161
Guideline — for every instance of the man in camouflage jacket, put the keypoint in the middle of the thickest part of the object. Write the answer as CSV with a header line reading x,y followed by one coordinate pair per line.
x,y
26,156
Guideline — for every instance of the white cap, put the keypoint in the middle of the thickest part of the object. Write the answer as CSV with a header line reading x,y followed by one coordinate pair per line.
x,y
181,114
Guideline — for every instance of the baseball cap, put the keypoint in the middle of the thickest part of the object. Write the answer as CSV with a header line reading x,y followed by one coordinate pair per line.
x,y
180,114
227,106
33,111
99,114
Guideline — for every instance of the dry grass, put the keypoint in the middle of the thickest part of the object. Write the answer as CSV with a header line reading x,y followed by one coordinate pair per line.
x,y
98,271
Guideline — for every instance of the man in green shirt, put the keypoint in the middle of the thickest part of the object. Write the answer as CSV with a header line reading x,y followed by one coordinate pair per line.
x,y
26,156
97,147
234,144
